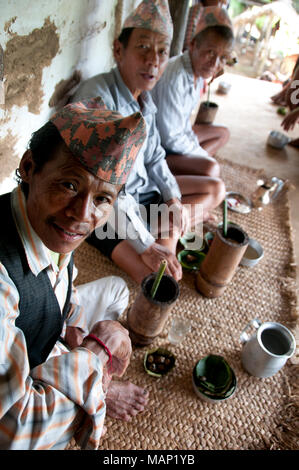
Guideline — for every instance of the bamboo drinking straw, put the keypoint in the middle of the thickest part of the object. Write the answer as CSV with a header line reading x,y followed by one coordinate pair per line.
x,y
209,92
158,278
225,218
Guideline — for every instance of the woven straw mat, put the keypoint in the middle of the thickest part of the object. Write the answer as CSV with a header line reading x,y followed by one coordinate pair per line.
x,y
262,413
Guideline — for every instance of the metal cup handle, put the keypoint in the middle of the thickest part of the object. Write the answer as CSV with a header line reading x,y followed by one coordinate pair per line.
x,y
244,336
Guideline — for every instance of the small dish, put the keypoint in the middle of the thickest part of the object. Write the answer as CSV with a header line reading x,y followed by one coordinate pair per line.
x,y
158,362
236,202
213,379
191,259
224,87
192,241
253,254
210,399
278,140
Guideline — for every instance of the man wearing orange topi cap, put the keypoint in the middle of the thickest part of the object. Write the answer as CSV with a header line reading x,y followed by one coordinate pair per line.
x,y
56,359
191,149
141,53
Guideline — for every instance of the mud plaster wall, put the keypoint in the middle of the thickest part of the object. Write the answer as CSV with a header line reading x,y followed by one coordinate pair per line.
x,y
25,58
44,43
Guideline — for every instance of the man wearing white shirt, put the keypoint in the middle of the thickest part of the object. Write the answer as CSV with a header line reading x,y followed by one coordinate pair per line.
x,y
190,149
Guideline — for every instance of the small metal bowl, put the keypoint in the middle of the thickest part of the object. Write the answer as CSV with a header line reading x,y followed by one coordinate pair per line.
x,y
253,254
224,87
236,202
278,140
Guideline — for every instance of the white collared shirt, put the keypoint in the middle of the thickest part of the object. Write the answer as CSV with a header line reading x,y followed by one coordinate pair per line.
x,y
176,95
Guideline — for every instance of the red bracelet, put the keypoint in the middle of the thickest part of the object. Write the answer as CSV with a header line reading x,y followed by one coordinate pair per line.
x,y
92,336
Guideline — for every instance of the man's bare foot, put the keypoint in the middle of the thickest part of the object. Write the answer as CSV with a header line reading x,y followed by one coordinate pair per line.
x,y
125,400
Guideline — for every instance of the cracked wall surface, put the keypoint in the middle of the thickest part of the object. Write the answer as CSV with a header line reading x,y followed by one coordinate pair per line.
x,y
43,45
25,58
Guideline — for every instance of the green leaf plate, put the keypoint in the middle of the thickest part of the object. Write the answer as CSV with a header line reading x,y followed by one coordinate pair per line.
x,y
191,259
213,377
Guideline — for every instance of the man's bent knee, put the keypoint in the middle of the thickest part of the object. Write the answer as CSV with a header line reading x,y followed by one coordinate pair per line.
x,y
118,293
225,135
213,169
220,191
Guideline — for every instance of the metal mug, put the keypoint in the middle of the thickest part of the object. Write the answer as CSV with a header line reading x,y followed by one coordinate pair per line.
x,y
267,350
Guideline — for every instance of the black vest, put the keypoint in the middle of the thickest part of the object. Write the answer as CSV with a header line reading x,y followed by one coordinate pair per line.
x,y
40,316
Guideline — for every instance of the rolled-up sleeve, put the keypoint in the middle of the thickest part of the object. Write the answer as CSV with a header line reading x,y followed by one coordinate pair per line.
x,y
157,167
76,316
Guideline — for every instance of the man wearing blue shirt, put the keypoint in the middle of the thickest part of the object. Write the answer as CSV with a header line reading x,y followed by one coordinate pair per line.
x,y
141,53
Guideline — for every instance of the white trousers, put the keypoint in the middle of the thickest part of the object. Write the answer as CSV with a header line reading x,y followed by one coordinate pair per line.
x,y
103,299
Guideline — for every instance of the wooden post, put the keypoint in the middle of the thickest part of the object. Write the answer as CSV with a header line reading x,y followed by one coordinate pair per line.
x,y
1,63
249,33
2,99
265,54
179,10
118,17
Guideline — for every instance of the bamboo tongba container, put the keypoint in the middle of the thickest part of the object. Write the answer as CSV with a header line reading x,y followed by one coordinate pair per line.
x,y
222,260
147,317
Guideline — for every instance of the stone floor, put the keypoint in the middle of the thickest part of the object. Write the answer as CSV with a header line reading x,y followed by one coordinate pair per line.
x,y
250,115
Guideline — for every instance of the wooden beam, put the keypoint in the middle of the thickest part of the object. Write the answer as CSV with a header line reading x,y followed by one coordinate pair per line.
x,y
179,10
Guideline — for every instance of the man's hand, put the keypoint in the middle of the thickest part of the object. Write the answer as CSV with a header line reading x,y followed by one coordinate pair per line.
x,y
117,340
156,253
181,220
73,336
291,119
